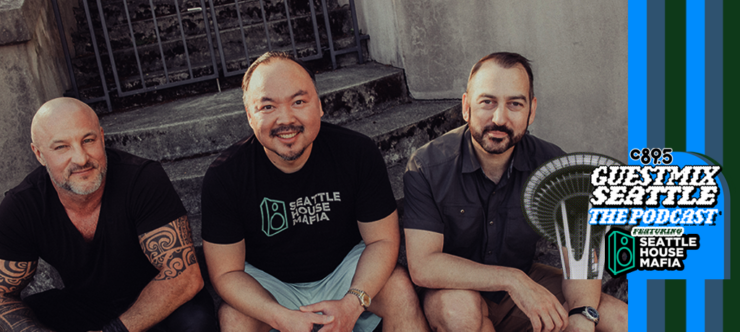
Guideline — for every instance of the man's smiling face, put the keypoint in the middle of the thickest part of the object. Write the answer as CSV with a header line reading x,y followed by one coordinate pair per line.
x,y
284,110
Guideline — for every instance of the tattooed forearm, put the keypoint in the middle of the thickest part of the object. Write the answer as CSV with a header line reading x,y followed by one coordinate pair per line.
x,y
170,248
14,315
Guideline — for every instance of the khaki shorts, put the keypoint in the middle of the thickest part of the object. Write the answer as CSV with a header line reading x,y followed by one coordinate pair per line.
x,y
506,316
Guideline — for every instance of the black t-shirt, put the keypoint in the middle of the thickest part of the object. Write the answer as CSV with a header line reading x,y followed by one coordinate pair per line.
x,y
297,227
111,269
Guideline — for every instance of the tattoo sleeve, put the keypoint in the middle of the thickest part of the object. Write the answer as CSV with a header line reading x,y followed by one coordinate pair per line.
x,y
169,248
14,315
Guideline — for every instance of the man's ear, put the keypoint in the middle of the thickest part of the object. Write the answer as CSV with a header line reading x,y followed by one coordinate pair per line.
x,y
533,110
465,107
38,155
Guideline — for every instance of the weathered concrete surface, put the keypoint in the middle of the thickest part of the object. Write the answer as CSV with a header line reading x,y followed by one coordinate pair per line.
x,y
207,124
31,72
578,49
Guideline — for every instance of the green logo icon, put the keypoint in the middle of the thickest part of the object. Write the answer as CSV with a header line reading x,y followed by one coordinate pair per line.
x,y
274,216
621,252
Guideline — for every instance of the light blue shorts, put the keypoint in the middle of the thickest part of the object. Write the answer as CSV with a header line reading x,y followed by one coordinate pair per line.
x,y
333,287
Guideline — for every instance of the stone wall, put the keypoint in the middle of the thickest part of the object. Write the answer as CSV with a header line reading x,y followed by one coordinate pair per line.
x,y
578,49
32,71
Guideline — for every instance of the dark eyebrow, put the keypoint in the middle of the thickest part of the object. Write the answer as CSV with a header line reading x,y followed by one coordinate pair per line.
x,y
299,93
522,97
519,97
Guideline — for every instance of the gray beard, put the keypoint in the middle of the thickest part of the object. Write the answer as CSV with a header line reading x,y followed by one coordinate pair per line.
x,y
66,185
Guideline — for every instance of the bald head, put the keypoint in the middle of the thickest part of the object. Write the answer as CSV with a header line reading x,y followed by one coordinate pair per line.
x,y
59,111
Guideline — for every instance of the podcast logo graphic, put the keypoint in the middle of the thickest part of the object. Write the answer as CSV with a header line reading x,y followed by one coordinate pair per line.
x,y
555,202
652,203
649,251
620,252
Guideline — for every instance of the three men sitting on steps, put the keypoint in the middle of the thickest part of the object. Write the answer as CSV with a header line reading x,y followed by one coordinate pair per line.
x,y
299,224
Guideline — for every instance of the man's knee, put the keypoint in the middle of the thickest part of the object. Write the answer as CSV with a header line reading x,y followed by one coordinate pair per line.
x,y
455,310
399,286
613,314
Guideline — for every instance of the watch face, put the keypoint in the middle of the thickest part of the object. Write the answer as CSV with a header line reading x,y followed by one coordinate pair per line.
x,y
365,300
592,312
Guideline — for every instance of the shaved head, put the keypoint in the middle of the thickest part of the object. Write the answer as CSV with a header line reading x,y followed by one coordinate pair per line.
x,y
57,108
67,139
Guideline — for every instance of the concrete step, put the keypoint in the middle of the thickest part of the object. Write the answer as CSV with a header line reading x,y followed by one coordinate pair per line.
x,y
207,124
399,131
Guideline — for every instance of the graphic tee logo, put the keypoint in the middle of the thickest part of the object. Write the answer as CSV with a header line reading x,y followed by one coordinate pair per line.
x,y
308,210
274,216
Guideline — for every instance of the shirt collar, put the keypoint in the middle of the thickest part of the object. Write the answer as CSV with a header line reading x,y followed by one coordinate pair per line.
x,y
519,160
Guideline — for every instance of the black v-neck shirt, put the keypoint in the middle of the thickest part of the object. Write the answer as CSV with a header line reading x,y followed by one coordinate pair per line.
x,y
112,268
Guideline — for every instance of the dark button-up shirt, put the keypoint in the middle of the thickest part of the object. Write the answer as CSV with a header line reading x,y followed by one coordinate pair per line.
x,y
447,192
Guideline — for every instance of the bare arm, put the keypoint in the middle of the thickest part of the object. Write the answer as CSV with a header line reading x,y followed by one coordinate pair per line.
x,y
430,267
14,315
170,249
245,294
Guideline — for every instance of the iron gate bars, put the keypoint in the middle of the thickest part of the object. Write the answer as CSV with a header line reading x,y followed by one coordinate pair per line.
x,y
164,75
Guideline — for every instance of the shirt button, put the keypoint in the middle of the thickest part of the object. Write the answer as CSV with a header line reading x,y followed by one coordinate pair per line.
x,y
490,222
462,211
490,252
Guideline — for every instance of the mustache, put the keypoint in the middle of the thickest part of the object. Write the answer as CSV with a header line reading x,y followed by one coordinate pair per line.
x,y
74,167
274,132
495,127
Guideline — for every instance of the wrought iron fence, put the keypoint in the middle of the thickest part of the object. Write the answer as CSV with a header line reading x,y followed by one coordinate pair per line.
x,y
171,43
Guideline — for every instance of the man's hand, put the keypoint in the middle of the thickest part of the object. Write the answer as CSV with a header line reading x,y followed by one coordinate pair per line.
x,y
299,321
541,306
345,313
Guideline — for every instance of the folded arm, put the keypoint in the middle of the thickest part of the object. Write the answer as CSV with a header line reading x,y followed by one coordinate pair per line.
x,y
14,315
170,249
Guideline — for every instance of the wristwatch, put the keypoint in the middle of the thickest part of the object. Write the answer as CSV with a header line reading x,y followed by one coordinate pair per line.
x,y
362,296
590,313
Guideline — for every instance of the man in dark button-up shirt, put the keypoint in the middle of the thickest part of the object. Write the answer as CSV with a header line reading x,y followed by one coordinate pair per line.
x,y
467,240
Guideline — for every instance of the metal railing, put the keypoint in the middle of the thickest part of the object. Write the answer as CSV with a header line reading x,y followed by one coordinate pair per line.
x,y
140,78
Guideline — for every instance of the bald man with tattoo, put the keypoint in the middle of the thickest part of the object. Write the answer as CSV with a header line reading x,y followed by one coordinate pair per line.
x,y
110,223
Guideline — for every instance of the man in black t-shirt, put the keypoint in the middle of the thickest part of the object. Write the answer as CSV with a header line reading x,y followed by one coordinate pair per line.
x,y
300,219
110,223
